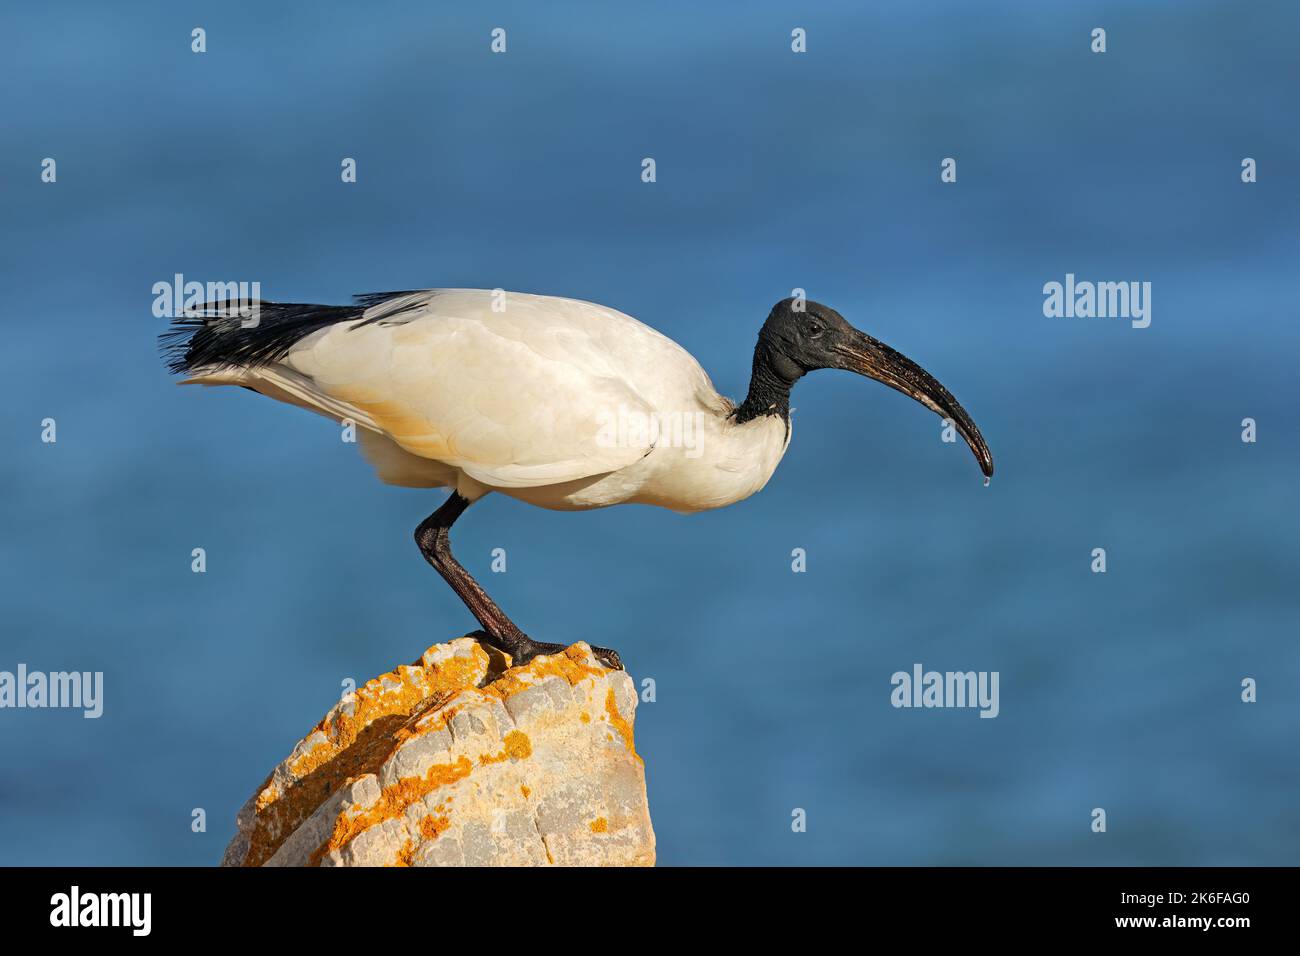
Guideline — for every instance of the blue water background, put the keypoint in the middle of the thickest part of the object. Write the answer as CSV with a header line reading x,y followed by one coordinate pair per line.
x,y
775,171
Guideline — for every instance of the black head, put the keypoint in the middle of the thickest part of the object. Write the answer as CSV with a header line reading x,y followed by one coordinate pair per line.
x,y
801,336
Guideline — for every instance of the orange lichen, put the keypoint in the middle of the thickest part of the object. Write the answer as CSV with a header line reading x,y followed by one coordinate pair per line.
x,y
431,717
618,721
571,665
267,796
599,825
391,804
518,746
357,738
380,698
432,827
524,789
406,855
585,717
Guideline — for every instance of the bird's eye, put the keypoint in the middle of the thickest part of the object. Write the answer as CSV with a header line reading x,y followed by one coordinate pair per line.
x,y
814,329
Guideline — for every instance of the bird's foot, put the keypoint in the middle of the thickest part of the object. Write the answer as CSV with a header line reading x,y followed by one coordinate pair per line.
x,y
523,649
533,649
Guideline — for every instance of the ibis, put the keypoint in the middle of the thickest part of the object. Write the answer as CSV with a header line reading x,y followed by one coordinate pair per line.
x,y
556,402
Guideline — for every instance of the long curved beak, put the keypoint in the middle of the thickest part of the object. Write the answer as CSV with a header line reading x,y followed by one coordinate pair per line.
x,y
875,359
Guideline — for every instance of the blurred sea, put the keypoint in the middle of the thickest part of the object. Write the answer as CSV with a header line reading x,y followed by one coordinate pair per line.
x,y
775,171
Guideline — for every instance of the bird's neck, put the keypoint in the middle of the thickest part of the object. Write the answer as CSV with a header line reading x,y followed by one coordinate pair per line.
x,y
769,390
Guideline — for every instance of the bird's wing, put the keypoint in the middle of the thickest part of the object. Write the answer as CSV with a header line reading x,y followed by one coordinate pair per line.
x,y
529,395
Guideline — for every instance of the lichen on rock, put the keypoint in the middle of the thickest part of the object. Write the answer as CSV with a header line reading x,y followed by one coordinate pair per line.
x,y
461,760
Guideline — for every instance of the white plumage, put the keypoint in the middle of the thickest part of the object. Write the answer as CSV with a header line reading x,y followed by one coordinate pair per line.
x,y
517,393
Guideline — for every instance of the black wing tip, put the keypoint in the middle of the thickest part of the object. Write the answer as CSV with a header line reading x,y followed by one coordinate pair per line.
x,y
174,344
211,338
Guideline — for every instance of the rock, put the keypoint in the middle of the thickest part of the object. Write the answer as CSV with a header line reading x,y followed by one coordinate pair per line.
x,y
459,760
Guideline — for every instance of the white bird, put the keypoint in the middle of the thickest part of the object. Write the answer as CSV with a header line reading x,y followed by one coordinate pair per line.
x,y
560,403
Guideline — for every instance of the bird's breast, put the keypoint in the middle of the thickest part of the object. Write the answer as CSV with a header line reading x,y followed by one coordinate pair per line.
x,y
710,463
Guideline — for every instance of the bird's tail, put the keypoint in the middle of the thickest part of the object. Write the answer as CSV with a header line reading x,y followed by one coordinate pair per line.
x,y
213,336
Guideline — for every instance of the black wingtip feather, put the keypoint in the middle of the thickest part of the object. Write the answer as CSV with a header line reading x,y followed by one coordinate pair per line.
x,y
221,341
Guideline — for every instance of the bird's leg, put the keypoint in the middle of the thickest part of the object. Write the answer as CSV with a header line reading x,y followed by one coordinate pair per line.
x,y
435,544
